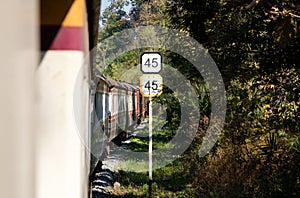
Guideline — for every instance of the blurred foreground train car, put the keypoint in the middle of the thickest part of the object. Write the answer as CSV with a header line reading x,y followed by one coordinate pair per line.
x,y
80,113
62,109
117,108
68,32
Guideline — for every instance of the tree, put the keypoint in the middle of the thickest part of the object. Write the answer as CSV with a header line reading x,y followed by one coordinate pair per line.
x,y
260,40
114,19
256,47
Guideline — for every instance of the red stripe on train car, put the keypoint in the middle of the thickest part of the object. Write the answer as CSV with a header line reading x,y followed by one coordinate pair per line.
x,y
68,38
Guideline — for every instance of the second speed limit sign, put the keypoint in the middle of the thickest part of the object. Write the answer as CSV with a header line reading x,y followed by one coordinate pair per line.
x,y
151,62
151,85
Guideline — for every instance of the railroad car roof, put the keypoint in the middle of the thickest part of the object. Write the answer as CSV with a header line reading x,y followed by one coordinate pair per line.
x,y
116,84
130,86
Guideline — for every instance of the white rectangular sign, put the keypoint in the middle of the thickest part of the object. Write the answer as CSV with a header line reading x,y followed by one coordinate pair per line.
x,y
151,62
151,85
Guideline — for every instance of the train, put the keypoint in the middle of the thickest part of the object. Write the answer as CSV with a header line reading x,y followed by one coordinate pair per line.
x,y
118,107
56,110
78,119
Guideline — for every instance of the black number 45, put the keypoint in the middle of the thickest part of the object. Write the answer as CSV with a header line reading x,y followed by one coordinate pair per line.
x,y
154,86
154,62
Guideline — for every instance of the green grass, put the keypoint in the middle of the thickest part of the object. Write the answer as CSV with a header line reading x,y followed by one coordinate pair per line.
x,y
160,139
168,181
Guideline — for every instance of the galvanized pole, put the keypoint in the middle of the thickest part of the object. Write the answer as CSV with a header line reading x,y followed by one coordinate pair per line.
x,y
150,146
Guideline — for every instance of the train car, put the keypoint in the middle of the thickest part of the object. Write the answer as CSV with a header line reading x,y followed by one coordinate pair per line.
x,y
127,102
99,122
68,31
75,111
121,107
132,104
117,108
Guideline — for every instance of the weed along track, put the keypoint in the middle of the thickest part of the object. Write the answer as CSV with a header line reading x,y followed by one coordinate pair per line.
x,y
105,180
116,178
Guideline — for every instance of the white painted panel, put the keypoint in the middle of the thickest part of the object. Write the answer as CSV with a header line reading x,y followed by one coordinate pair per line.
x,y
61,155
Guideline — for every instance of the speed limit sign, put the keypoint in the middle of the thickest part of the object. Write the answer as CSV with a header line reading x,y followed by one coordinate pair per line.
x,y
151,62
151,85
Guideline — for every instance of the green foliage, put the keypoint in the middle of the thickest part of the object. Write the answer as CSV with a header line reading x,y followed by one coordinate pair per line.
x,y
261,129
256,47
114,19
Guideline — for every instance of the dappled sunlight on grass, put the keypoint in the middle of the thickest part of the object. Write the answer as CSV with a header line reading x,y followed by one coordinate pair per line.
x,y
169,181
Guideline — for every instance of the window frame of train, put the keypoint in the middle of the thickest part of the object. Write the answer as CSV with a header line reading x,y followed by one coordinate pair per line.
x,y
151,62
152,82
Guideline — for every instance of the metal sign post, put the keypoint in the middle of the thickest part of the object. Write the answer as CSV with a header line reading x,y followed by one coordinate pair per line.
x,y
150,146
151,85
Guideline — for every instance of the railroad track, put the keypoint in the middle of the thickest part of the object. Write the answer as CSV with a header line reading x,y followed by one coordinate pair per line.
x,y
103,183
